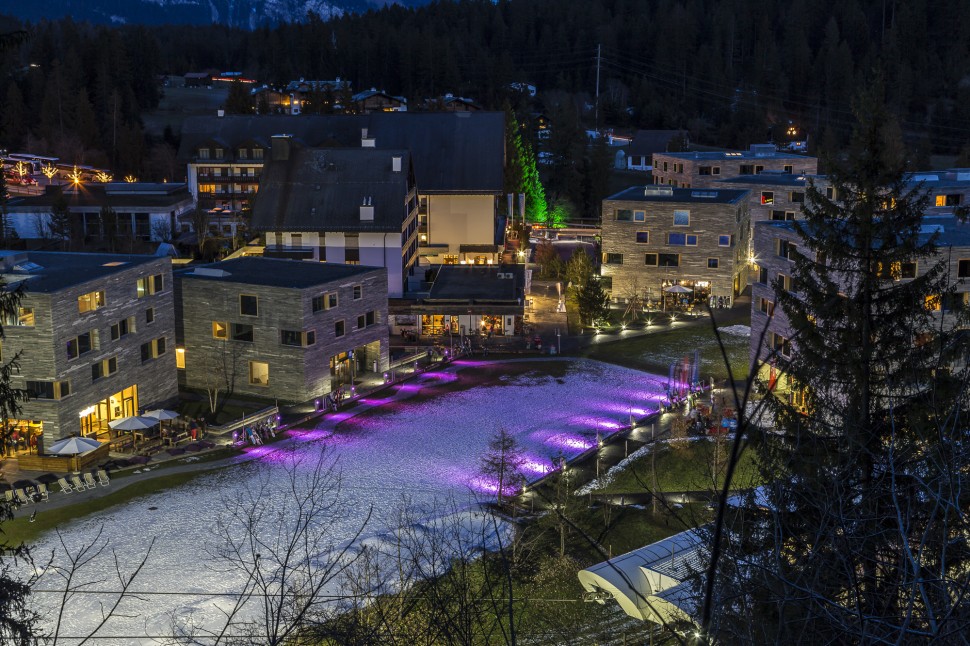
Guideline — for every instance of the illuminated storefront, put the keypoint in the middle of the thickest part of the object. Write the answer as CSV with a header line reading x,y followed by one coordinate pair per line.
x,y
95,418
24,436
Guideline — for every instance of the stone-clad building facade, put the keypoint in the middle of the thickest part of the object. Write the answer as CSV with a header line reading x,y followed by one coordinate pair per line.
x,y
705,169
658,236
95,333
280,329
775,244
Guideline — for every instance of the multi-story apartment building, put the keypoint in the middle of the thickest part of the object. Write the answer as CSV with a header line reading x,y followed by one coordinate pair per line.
x,y
704,169
774,246
94,336
280,329
654,237
458,158
340,205
141,212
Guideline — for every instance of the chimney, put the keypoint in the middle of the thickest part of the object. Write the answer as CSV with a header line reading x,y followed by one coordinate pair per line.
x,y
220,113
367,210
365,141
396,163
281,147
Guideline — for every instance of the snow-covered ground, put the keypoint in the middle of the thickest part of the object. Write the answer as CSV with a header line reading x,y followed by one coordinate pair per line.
x,y
427,452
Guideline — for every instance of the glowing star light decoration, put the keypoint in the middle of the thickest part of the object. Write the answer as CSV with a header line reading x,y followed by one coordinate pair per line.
x,y
75,176
131,179
103,177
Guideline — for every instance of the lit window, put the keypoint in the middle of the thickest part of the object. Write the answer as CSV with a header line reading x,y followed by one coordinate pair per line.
x,y
767,197
220,330
180,358
149,285
23,318
258,373
90,302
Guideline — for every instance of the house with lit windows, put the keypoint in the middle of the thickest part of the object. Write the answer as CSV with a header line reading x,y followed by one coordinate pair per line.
x,y
94,338
775,246
340,205
655,237
703,169
280,329
458,159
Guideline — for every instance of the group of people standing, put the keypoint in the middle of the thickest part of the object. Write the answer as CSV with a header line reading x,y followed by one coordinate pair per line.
x,y
256,434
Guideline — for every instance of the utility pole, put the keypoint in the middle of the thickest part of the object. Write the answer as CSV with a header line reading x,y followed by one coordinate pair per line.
x,y
596,110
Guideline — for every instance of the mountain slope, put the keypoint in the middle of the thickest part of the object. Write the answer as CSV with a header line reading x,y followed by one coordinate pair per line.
x,y
247,14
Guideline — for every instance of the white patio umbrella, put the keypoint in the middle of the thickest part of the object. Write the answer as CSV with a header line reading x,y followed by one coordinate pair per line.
x,y
162,414
678,289
133,423
73,446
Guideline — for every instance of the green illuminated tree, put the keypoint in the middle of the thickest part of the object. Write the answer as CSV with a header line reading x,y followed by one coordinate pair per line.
x,y
522,174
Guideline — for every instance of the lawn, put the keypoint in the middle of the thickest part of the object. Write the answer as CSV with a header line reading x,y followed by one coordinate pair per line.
x,y
656,350
684,465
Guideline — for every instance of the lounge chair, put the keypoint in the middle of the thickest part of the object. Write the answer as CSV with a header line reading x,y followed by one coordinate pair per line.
x,y
42,492
22,497
65,487
103,478
78,485
8,494
89,481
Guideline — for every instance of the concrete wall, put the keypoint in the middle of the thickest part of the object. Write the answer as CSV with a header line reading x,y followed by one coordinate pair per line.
x,y
461,219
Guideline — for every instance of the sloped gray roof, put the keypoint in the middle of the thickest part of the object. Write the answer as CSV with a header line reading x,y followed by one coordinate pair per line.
x,y
322,189
452,152
648,142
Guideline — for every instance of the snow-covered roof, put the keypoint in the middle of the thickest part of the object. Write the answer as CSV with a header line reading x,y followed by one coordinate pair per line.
x,y
653,582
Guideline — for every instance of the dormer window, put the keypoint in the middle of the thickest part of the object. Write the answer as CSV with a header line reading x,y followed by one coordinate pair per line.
x,y
243,153
203,153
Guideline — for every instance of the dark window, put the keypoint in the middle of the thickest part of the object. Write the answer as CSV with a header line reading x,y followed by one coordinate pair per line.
x,y
242,332
963,268
703,170
311,337
676,239
643,237
782,216
104,368
668,259
291,337
150,315
797,197
746,169
763,275
317,304
358,292
624,215
361,322
650,259
79,345
907,270
248,305
352,256
371,317
786,249
338,329
712,263
612,258
331,300
40,389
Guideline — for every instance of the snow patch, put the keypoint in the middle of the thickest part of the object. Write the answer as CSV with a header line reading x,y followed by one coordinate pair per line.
x,y
736,330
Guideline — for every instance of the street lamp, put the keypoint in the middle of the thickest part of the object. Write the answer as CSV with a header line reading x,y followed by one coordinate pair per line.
x,y
558,343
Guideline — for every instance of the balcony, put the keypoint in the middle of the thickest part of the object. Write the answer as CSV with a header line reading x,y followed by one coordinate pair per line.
x,y
291,253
